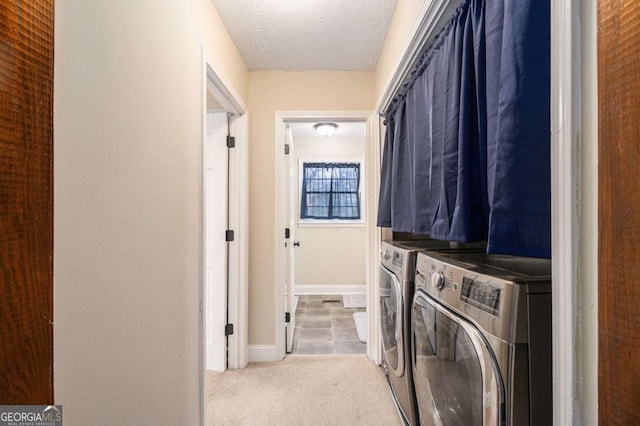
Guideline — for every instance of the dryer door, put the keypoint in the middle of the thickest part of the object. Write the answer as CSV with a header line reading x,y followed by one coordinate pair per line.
x,y
454,371
391,320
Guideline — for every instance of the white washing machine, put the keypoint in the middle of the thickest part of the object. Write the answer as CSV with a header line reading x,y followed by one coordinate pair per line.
x,y
481,339
397,272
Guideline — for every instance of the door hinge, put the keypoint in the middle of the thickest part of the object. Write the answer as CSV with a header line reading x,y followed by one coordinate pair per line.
x,y
229,235
228,330
287,317
231,141
287,232
286,149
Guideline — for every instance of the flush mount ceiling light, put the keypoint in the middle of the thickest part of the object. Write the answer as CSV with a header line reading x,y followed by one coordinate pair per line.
x,y
325,129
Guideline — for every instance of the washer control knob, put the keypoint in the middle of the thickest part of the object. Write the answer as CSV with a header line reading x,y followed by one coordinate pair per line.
x,y
437,280
385,255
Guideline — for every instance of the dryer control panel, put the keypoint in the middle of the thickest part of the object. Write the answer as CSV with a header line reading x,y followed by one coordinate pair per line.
x,y
481,295
495,299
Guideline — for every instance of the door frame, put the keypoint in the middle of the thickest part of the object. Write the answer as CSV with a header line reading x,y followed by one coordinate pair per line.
x,y
574,186
215,218
289,271
214,82
372,182
565,127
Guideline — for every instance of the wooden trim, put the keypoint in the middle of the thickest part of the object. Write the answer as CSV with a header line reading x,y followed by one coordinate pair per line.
x,y
26,202
220,87
619,211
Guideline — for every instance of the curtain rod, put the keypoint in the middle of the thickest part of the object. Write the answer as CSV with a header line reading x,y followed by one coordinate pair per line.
x,y
431,20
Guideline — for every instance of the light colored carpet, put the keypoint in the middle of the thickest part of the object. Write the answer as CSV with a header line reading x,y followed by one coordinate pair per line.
x,y
360,318
302,390
358,300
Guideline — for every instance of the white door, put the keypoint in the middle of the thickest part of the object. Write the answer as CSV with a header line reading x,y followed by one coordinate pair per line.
x,y
215,226
290,272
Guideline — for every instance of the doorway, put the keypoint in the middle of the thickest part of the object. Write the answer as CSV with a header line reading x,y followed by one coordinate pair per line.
x,y
327,222
323,251
224,246
216,197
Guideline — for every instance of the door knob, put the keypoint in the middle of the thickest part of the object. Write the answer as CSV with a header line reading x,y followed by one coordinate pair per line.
x,y
296,243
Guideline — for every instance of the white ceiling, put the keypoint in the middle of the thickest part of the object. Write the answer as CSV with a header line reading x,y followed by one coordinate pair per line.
x,y
304,35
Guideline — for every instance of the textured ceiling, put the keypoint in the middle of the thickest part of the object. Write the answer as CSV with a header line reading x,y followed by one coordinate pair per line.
x,y
304,35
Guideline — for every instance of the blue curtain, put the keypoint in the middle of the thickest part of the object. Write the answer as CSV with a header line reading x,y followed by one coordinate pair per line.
x,y
467,148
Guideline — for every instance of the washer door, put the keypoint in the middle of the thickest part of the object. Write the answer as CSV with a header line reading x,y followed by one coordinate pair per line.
x,y
391,320
455,375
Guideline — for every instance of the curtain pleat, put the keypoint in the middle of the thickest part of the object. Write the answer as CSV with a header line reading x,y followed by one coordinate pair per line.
x,y
384,196
401,174
520,217
467,151
421,97
471,211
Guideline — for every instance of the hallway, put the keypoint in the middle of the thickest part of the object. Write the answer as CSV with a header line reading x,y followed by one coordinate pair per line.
x,y
302,390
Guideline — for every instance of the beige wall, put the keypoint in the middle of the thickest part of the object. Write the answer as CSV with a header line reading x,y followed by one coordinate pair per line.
x,y
330,254
283,91
397,38
127,207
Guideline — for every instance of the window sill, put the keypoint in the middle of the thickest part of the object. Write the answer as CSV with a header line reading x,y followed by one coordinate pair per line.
x,y
319,223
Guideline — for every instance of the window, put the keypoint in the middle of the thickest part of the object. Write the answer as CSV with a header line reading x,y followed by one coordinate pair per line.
x,y
330,191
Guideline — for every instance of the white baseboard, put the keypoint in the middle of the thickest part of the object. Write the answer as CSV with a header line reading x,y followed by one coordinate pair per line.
x,y
262,353
330,289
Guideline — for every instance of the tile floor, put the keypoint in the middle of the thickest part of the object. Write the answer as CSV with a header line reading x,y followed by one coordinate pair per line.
x,y
325,326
